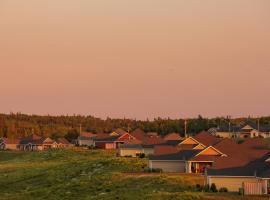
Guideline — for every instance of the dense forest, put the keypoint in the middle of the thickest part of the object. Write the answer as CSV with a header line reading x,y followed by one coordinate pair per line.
x,y
20,125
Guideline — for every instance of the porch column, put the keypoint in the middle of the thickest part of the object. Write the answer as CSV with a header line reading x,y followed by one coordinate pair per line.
x,y
188,167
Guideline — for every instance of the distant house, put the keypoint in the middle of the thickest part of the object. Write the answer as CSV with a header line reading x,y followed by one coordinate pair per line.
x,y
134,150
63,143
108,141
36,143
86,139
9,144
245,130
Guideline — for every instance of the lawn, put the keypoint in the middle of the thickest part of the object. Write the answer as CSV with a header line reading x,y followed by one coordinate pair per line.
x,y
89,174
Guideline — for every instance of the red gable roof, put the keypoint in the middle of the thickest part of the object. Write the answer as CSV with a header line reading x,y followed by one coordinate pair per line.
x,y
173,136
62,141
120,131
87,134
206,139
139,134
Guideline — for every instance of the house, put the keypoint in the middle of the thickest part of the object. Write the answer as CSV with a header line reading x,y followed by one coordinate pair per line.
x,y
253,178
141,143
244,130
186,161
108,141
86,139
8,144
134,150
175,162
63,143
36,143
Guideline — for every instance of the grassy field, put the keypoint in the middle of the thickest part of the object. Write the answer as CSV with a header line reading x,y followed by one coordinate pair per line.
x,y
90,174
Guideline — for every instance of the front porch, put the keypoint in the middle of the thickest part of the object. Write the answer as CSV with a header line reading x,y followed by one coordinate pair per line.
x,y
198,167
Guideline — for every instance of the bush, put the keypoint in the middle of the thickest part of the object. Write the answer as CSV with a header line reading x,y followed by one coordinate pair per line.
x,y
213,188
141,155
198,188
206,188
223,189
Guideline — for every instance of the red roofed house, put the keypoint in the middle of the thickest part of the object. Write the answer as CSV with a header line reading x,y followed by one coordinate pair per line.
x,y
63,143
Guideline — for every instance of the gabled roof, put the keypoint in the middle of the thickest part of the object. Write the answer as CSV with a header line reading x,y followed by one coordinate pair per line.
x,y
213,149
87,134
181,155
206,139
120,131
62,141
173,136
139,134
228,146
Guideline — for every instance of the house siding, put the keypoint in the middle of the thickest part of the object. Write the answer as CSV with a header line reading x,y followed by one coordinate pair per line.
x,y
130,152
232,183
169,166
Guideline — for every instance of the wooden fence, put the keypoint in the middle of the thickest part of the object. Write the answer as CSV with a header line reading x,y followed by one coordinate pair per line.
x,y
253,188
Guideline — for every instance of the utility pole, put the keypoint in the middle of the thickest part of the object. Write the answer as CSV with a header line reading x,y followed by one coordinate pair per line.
x,y
185,128
80,129
258,124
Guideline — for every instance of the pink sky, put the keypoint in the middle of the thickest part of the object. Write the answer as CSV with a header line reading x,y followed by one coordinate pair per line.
x,y
136,58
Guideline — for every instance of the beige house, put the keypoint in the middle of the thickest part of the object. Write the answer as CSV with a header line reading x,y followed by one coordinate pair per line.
x,y
253,178
36,143
134,150
247,130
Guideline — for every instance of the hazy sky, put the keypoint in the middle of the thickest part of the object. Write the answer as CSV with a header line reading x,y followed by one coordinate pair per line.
x,y
135,58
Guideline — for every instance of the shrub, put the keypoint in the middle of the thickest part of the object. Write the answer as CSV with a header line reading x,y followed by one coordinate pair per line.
x,y
213,188
198,188
223,189
206,188
141,155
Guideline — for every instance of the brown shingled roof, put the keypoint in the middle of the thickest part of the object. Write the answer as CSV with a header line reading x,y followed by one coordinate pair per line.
x,y
255,143
173,136
139,134
206,139
87,134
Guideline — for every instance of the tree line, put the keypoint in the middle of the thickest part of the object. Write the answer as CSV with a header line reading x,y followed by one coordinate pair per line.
x,y
16,125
